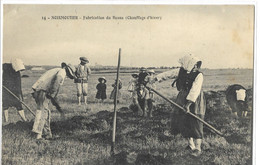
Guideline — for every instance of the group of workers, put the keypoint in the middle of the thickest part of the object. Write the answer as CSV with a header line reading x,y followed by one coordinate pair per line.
x,y
101,90
142,97
187,78
44,91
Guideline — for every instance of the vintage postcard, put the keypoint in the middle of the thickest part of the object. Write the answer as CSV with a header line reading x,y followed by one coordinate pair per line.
x,y
124,83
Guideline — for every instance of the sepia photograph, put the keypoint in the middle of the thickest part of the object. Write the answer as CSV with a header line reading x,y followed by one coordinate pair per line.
x,y
127,84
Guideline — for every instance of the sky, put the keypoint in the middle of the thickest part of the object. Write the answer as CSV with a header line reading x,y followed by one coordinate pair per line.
x,y
220,35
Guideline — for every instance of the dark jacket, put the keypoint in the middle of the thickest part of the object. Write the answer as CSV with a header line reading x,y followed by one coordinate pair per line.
x,y
184,80
141,78
101,91
12,81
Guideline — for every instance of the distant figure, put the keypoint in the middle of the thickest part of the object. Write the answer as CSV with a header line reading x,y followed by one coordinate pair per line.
x,y
150,83
237,100
101,89
113,93
12,81
82,75
142,75
144,100
132,88
45,90
133,83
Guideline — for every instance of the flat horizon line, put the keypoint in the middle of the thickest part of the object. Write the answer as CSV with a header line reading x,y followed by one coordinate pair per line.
x,y
151,67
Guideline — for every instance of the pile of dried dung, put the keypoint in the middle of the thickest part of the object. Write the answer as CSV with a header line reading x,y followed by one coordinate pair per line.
x,y
162,110
81,123
124,158
104,115
216,100
148,159
104,137
19,127
130,158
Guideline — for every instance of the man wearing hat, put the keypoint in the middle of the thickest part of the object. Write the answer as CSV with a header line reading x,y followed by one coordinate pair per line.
x,y
82,75
45,90
188,80
12,81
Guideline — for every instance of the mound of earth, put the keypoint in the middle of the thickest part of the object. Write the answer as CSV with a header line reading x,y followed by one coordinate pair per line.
x,y
127,119
130,125
25,76
216,100
99,121
19,126
127,158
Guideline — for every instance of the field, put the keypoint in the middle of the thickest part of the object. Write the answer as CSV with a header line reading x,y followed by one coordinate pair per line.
x,y
84,136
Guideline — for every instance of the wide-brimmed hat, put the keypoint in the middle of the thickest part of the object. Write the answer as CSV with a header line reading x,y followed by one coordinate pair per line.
x,y
135,75
142,69
102,78
70,71
84,59
151,71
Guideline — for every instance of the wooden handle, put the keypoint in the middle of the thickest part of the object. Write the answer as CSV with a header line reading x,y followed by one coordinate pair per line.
x,y
115,105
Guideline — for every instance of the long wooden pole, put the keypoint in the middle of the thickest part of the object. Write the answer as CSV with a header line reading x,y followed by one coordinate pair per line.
x,y
115,105
18,99
189,113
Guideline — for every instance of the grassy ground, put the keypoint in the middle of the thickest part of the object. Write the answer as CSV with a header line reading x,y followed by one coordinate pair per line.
x,y
84,136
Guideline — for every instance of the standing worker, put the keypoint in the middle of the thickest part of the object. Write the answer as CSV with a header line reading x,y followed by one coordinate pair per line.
x,y
133,83
189,82
113,92
82,75
12,81
101,89
45,90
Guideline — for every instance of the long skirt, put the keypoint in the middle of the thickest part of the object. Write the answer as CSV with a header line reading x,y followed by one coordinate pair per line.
x,y
185,124
101,95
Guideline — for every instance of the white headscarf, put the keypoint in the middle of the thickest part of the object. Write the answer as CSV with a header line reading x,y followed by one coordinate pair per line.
x,y
17,64
188,62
